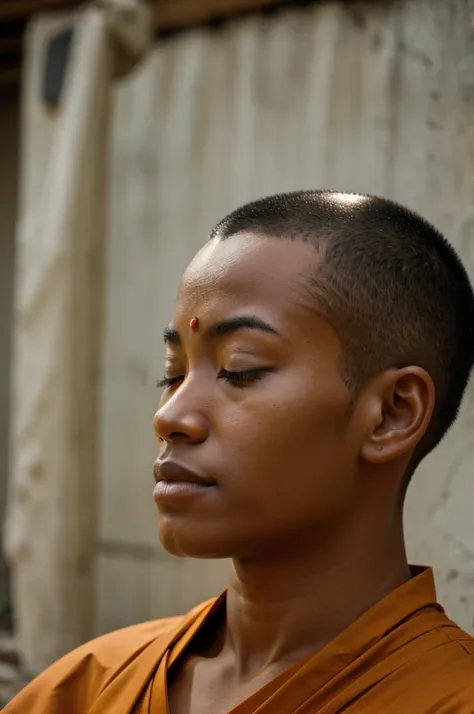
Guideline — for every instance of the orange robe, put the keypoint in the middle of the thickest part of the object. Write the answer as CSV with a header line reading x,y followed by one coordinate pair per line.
x,y
403,656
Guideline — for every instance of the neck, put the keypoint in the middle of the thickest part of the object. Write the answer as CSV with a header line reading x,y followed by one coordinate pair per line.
x,y
282,609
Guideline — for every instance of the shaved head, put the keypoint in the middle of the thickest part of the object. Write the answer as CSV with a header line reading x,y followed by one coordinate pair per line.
x,y
389,282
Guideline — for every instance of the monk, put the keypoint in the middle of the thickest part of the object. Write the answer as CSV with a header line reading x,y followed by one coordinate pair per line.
x,y
320,347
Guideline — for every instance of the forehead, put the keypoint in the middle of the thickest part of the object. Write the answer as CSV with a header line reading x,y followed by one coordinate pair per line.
x,y
247,270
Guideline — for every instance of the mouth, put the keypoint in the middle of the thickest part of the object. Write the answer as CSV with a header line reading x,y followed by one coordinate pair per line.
x,y
172,472
174,480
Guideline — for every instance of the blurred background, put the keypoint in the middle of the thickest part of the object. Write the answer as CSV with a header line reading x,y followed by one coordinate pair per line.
x,y
127,131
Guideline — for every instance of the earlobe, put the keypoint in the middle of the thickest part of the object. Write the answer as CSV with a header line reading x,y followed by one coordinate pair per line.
x,y
402,403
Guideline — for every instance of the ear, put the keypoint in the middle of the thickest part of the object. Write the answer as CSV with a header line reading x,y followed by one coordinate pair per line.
x,y
398,406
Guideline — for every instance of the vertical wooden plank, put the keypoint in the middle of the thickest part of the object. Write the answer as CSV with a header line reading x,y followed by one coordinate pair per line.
x,y
123,592
51,515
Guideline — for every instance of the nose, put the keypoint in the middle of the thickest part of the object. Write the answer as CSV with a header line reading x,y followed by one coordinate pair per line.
x,y
178,420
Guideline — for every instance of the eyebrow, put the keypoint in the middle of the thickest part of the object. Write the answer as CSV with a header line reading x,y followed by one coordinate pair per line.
x,y
222,328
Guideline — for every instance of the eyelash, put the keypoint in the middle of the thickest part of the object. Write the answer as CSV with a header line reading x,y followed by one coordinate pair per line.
x,y
248,375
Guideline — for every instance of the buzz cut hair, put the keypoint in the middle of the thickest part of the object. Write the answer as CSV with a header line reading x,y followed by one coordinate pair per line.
x,y
390,283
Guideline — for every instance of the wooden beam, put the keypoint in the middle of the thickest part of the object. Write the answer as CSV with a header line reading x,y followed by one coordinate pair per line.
x,y
171,15
22,9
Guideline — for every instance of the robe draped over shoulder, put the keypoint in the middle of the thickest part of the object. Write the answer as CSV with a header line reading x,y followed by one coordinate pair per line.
x,y
402,656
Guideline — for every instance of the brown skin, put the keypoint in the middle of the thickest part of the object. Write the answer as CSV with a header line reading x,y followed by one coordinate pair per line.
x,y
307,501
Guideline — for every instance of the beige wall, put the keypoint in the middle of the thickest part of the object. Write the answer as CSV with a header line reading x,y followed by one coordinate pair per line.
x,y
377,99
9,142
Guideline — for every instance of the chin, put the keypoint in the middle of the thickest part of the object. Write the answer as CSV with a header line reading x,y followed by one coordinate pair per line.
x,y
186,542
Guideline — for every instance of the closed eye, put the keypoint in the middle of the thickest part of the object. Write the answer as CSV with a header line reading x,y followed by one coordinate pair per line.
x,y
244,377
236,378
168,381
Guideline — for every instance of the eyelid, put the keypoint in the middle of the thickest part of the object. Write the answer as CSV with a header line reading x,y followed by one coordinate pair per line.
x,y
243,376
234,376
168,381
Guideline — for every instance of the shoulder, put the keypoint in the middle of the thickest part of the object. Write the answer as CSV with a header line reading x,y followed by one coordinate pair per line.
x,y
114,648
450,650
431,671
443,675
456,646
82,673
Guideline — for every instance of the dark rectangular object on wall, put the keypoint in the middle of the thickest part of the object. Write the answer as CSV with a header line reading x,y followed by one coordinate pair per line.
x,y
56,61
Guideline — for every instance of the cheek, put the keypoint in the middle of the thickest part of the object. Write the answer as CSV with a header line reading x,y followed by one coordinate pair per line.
x,y
293,425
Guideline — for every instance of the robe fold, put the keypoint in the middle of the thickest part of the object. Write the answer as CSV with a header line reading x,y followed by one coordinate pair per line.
x,y
402,656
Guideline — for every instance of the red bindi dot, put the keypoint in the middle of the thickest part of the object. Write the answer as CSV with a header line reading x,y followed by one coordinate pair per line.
x,y
194,324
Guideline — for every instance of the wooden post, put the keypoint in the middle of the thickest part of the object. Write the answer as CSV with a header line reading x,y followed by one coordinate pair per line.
x,y
58,317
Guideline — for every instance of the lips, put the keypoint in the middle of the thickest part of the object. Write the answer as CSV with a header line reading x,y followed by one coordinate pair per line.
x,y
174,472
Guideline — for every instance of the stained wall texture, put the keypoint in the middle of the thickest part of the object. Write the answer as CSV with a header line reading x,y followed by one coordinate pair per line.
x,y
371,97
